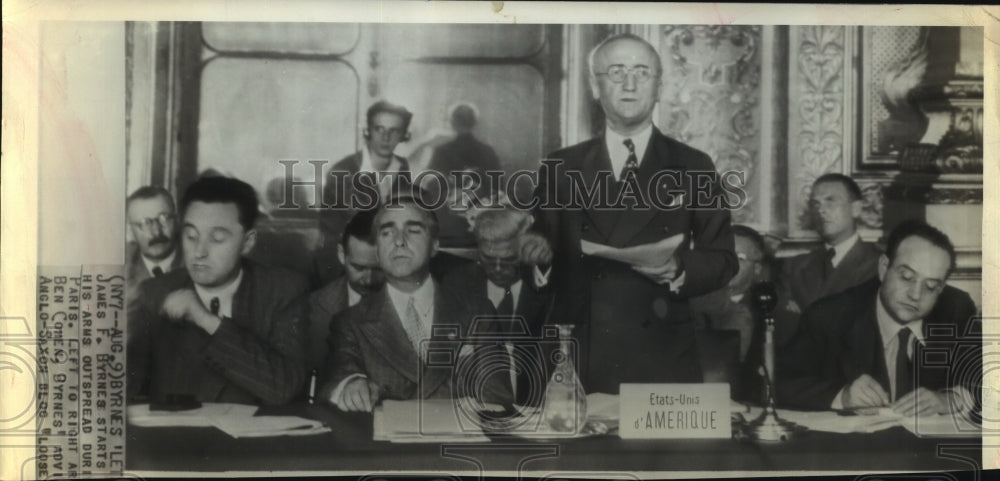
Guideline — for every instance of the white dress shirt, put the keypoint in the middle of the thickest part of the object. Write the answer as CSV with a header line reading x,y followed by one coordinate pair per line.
x,y
224,293
164,264
495,292
391,171
352,296
889,330
619,153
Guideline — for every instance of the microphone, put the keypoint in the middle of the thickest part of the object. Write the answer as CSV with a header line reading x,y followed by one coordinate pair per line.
x,y
768,426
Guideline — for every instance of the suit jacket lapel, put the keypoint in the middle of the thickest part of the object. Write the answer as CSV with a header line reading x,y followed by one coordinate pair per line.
x,y
843,275
633,220
383,328
870,357
598,160
448,312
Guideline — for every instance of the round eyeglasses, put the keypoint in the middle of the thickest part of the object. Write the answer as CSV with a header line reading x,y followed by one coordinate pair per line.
x,y
617,73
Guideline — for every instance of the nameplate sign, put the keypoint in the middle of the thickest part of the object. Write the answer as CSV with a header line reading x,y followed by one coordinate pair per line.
x,y
674,411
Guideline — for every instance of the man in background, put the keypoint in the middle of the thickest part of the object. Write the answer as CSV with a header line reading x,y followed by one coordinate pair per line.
x,y
843,261
153,253
386,126
465,151
223,329
362,277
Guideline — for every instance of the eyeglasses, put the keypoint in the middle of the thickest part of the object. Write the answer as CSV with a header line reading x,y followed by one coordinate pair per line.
x,y
392,133
743,257
147,224
617,73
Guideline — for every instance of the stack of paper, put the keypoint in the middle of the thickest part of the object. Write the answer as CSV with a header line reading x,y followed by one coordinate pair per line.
x,y
832,422
428,421
265,426
942,426
204,416
236,420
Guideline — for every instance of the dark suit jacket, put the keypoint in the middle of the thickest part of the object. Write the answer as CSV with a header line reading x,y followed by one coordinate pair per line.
x,y
257,357
840,341
631,329
464,152
368,338
533,306
324,304
135,269
801,282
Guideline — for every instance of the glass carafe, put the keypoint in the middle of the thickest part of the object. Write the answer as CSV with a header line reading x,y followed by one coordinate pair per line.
x,y
564,408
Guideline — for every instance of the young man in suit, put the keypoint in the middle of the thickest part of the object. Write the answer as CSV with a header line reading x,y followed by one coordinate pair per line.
x,y
863,347
516,286
633,320
386,125
379,347
362,277
843,261
151,218
223,329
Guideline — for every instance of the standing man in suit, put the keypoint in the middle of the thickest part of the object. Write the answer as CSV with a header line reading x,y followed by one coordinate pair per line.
x,y
515,286
843,261
380,346
362,277
633,320
386,125
224,329
151,218
863,347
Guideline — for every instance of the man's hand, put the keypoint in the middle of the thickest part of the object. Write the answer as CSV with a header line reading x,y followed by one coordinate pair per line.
x,y
659,274
924,402
183,304
535,249
359,395
865,391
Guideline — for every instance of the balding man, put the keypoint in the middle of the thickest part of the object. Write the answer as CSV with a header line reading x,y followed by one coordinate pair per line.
x,y
634,322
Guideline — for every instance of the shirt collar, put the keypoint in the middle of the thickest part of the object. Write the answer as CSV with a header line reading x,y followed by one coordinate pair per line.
x,y
353,297
423,298
368,166
841,249
495,292
224,293
888,328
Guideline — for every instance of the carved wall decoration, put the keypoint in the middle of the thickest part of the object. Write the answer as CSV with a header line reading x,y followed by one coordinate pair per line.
x,y
816,113
711,95
872,199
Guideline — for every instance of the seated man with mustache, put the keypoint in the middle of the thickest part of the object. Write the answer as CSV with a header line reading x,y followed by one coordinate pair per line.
x,y
379,347
153,223
223,329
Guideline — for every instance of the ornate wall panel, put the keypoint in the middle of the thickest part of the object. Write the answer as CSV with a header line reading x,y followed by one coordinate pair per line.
x,y
711,98
819,133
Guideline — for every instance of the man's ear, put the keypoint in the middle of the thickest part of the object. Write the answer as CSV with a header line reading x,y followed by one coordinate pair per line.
x,y
249,240
341,256
366,133
883,267
595,89
434,248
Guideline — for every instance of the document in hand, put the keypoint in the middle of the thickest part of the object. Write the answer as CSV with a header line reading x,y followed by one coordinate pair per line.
x,y
266,426
648,255
140,415
428,421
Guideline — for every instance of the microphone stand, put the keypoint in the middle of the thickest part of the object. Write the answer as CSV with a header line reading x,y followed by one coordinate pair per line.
x,y
768,426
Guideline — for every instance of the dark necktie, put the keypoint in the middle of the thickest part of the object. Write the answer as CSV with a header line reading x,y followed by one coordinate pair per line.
x,y
632,163
828,263
904,366
506,306
157,272
213,305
